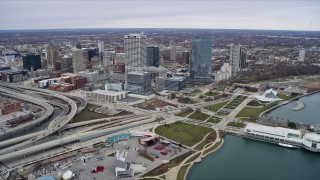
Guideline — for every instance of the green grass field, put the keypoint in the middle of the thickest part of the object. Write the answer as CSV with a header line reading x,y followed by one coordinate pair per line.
x,y
254,103
183,113
187,134
284,97
199,116
211,93
216,107
214,119
182,171
235,102
237,125
253,112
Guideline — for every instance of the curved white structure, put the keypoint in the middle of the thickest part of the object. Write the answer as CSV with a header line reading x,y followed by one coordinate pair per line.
x,y
311,141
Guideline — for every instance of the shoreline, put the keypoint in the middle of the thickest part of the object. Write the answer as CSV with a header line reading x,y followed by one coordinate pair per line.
x,y
203,156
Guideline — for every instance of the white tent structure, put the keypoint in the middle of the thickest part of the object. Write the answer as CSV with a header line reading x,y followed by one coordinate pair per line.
x,y
269,96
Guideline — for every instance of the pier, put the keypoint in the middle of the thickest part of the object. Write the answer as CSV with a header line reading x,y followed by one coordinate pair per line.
x,y
299,106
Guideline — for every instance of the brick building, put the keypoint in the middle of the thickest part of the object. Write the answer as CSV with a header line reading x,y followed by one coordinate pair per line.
x,y
10,106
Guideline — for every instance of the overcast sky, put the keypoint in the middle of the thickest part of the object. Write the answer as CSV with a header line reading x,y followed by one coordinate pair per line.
x,y
217,14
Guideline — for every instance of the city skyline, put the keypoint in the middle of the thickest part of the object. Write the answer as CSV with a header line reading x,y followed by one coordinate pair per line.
x,y
283,15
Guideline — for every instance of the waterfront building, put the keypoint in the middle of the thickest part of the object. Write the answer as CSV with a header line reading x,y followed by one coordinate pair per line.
x,y
31,62
276,134
237,58
311,141
79,59
153,56
269,96
201,60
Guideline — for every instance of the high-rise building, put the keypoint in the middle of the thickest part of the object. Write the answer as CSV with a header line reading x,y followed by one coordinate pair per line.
x,y
135,50
101,47
185,57
237,58
31,62
66,63
201,60
153,58
302,54
52,52
79,59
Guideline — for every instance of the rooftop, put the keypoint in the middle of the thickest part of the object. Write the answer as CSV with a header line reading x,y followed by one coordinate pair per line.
x,y
272,130
109,93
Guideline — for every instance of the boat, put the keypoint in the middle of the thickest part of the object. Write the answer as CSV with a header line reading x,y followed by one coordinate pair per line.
x,y
288,146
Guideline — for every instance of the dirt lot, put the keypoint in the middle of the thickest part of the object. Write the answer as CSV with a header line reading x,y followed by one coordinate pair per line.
x,y
153,104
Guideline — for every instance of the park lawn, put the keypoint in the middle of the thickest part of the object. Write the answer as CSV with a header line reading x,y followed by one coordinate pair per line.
x,y
235,102
254,103
214,119
187,134
199,116
284,97
182,171
216,107
211,93
237,125
212,148
183,113
100,146
253,111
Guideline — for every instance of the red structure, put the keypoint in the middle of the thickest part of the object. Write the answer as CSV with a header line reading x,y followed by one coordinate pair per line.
x,y
185,57
10,106
68,83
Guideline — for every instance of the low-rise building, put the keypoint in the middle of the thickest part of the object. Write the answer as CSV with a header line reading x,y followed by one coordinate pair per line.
x,y
175,83
10,106
108,96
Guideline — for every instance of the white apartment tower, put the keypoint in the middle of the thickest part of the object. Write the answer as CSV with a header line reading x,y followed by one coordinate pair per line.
x,y
135,49
237,58
302,54
101,47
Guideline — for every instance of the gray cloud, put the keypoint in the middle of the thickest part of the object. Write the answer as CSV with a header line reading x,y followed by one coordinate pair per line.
x,y
295,15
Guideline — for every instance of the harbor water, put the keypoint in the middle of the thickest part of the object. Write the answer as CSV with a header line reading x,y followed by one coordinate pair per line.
x,y
241,158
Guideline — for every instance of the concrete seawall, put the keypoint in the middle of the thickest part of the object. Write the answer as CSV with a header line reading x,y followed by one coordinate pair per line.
x,y
299,106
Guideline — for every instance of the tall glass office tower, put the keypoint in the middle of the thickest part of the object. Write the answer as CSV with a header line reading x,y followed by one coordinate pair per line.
x,y
200,60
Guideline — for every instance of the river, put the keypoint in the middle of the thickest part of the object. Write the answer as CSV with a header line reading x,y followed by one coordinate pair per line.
x,y
310,114
246,159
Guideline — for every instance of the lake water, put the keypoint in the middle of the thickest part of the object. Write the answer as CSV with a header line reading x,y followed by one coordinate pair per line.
x,y
310,114
246,159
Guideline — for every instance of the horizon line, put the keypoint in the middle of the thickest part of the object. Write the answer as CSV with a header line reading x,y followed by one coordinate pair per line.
x,y
30,29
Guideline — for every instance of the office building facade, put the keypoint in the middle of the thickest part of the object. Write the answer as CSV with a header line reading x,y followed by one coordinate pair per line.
x,y
153,56
237,58
201,60
139,82
52,55
302,54
135,50
79,59
31,62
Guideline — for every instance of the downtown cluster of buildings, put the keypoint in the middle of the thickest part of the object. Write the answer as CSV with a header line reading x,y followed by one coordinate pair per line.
x,y
135,65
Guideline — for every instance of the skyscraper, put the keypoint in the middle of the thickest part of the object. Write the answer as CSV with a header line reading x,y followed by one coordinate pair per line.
x,y
101,47
52,54
302,54
201,60
237,58
135,50
31,61
185,57
153,57
79,59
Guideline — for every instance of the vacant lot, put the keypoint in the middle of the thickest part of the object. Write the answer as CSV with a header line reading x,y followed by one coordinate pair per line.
x,y
187,134
153,104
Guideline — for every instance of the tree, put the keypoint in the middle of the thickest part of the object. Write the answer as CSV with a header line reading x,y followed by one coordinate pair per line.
x,y
292,125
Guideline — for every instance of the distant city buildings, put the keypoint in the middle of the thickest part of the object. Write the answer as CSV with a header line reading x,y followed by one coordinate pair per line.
x,y
52,55
237,58
32,62
201,60
302,54
79,59
153,56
